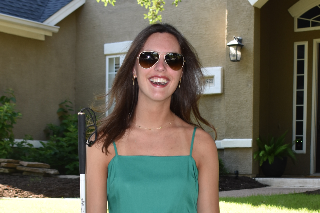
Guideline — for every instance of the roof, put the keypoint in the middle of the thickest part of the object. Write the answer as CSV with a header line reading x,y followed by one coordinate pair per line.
x,y
34,10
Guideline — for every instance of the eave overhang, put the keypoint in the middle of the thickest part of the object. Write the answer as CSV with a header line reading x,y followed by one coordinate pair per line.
x,y
257,3
25,28
37,30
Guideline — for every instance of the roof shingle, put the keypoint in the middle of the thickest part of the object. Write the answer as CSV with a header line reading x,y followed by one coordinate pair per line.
x,y
34,10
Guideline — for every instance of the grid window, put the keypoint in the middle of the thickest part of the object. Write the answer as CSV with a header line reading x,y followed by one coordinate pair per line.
x,y
299,96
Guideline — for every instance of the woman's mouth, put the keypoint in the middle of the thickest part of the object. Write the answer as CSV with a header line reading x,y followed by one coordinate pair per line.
x,y
158,81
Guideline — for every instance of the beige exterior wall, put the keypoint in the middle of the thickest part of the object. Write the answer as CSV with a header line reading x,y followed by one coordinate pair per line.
x,y
41,73
208,25
277,55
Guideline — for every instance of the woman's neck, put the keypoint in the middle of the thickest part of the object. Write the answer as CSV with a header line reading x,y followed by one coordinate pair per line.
x,y
153,115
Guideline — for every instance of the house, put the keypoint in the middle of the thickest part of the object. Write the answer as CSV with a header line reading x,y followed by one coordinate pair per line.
x,y
74,51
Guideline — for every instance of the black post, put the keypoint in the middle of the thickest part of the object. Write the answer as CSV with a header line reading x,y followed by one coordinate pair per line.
x,y
82,142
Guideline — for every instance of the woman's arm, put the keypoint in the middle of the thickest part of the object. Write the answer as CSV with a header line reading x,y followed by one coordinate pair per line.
x,y
96,178
206,155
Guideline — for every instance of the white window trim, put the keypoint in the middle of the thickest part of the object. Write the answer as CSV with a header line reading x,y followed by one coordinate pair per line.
x,y
315,95
298,9
112,50
305,43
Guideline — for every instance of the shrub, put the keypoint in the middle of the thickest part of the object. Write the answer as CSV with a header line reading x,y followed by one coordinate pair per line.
x,y
222,168
8,117
61,150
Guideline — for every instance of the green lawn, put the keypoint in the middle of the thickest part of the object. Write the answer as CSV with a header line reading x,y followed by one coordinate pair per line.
x,y
290,203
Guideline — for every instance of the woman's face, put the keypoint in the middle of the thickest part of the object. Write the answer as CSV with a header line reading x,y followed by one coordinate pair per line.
x,y
158,82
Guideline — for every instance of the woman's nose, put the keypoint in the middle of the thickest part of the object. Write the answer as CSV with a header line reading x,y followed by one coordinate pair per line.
x,y
160,65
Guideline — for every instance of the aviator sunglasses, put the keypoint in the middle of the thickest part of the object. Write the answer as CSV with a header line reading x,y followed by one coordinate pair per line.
x,y
148,59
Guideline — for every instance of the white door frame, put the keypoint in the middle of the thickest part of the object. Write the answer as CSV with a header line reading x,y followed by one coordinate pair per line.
x,y
315,94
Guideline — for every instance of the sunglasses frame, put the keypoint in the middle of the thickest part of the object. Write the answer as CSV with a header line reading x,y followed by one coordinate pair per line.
x,y
164,58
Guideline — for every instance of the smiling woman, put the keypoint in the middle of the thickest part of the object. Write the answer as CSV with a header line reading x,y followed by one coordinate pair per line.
x,y
150,156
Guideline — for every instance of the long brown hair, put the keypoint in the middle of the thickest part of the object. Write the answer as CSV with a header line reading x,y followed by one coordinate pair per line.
x,y
184,101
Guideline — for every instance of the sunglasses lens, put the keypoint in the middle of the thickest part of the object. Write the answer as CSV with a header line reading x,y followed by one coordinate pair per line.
x,y
174,60
148,59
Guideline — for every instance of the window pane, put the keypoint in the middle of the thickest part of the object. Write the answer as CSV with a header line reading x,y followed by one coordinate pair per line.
x,y
111,65
299,113
298,143
117,64
110,80
303,23
315,24
300,82
299,127
299,97
300,49
300,67
311,13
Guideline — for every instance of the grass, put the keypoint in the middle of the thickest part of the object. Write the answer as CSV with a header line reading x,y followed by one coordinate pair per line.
x,y
39,205
288,203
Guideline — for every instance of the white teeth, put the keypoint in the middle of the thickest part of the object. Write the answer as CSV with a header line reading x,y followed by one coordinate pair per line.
x,y
159,81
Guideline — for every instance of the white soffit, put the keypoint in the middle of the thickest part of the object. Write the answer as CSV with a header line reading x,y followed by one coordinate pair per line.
x,y
64,12
257,3
116,47
302,6
25,28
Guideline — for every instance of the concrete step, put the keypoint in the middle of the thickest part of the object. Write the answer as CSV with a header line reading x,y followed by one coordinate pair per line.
x,y
291,182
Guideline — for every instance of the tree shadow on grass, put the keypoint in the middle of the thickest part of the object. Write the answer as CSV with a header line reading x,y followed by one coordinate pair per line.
x,y
34,186
290,201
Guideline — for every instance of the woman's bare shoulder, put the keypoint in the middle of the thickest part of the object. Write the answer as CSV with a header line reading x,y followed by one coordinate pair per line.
x,y
97,153
204,148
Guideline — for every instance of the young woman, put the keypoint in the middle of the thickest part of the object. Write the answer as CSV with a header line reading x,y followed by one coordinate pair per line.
x,y
150,157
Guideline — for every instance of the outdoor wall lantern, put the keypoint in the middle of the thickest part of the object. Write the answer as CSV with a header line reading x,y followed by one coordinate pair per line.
x,y
235,49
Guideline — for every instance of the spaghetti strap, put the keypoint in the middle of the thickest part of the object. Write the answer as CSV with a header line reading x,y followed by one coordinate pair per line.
x,y
194,132
115,148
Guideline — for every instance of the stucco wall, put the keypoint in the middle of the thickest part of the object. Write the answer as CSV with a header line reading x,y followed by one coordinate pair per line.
x,y
277,55
41,73
239,86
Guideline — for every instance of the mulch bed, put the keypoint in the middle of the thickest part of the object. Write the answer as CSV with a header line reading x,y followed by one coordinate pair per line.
x,y
20,186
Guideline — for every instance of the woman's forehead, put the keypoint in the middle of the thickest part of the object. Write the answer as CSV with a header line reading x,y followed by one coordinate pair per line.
x,y
162,42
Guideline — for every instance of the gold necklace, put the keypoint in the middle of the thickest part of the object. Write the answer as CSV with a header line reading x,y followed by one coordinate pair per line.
x,y
141,127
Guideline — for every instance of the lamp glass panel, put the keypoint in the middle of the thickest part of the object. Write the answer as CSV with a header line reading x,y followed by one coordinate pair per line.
x,y
233,53
238,53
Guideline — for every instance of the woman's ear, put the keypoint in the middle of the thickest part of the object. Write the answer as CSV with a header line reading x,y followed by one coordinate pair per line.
x,y
134,73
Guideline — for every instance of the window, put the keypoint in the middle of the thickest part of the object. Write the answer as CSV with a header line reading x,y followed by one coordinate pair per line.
x,y
300,96
115,54
309,20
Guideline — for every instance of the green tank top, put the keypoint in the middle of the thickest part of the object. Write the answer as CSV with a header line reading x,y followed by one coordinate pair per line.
x,y
152,184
